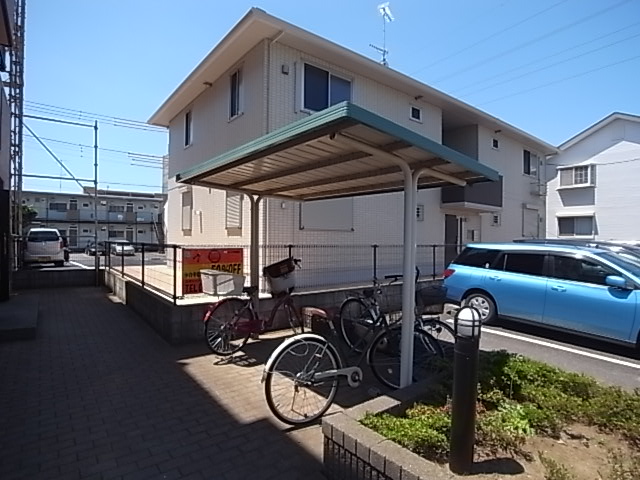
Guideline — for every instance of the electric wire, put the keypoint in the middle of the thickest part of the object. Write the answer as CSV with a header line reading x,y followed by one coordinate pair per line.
x,y
544,36
493,35
522,92
533,62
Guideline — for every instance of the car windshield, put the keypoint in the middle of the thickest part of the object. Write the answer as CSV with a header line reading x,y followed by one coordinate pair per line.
x,y
43,236
629,262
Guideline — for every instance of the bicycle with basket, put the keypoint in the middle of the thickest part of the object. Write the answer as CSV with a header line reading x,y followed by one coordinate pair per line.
x,y
229,322
362,314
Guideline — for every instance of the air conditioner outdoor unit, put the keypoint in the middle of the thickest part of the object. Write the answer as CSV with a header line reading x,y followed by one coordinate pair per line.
x,y
104,229
103,202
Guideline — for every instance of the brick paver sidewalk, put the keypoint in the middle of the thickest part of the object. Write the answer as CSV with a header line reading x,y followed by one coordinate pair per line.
x,y
99,395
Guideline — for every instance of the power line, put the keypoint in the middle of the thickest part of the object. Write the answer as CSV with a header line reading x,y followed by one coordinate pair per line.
x,y
82,145
551,65
511,27
546,57
530,42
563,79
113,121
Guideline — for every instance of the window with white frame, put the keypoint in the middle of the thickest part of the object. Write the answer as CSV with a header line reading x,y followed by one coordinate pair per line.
x,y
187,210
235,108
577,176
188,127
321,89
233,211
415,114
495,144
575,226
530,163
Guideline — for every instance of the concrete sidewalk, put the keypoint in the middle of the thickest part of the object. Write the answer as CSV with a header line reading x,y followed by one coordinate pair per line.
x,y
99,395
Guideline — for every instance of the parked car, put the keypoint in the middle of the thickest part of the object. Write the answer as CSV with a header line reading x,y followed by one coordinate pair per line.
x,y
122,247
44,245
589,291
614,246
91,249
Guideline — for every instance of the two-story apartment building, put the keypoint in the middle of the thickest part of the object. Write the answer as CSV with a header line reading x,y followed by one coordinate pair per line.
x,y
266,74
135,216
591,191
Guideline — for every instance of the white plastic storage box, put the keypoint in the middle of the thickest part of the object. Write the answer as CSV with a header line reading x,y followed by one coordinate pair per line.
x,y
280,275
216,282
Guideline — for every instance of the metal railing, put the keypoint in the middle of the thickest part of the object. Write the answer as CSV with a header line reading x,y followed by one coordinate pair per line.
x,y
160,267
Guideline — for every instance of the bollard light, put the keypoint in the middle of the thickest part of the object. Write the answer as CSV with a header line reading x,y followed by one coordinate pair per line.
x,y
467,326
467,322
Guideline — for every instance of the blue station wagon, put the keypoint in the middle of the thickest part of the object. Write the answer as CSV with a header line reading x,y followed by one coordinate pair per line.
x,y
589,291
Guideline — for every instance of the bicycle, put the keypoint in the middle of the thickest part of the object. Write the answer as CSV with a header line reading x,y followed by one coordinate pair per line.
x,y
229,323
359,315
301,376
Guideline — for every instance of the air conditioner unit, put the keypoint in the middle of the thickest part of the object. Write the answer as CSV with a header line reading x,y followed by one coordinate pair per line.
x,y
104,229
103,202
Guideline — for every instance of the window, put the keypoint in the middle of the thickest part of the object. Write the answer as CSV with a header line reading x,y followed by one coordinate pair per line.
x,y
477,257
420,213
233,214
58,207
86,230
116,233
577,176
580,270
187,209
495,220
85,205
529,263
530,163
234,101
575,226
140,231
495,144
140,207
187,128
73,204
322,89
129,207
415,114
116,208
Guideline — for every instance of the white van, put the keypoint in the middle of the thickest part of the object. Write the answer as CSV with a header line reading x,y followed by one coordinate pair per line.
x,y
44,245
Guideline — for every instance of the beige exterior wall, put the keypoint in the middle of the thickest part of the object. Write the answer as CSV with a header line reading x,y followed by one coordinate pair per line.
x,y
285,93
213,132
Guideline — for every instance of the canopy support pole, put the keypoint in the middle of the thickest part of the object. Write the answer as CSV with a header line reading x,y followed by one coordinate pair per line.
x,y
254,252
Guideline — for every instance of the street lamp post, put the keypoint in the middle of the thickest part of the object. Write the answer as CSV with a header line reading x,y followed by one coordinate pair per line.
x,y
467,325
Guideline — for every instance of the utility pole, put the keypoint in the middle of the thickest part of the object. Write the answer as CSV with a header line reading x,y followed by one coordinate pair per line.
x,y
95,201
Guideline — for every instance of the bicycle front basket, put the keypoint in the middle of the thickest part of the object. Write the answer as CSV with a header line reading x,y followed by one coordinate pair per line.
x,y
278,269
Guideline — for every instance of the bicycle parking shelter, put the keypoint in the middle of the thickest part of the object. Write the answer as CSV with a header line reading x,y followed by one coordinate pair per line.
x,y
342,151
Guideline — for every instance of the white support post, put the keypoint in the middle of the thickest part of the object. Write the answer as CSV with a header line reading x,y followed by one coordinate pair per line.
x,y
408,299
254,252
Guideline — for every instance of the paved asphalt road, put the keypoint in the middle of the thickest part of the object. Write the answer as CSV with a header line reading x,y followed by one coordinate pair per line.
x,y
610,364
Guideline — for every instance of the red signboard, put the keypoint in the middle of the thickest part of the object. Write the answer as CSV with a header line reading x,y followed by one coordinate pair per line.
x,y
195,259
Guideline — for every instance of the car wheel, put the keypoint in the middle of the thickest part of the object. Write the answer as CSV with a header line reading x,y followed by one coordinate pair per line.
x,y
59,264
484,304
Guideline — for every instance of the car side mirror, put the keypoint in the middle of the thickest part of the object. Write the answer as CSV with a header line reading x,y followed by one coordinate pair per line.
x,y
618,281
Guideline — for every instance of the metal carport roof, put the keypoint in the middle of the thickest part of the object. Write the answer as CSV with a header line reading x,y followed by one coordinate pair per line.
x,y
344,150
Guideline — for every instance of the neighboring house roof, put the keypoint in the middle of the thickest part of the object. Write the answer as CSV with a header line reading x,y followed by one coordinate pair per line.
x,y
597,126
343,150
257,25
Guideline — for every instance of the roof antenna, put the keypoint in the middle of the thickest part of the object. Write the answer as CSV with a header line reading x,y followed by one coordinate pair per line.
x,y
387,16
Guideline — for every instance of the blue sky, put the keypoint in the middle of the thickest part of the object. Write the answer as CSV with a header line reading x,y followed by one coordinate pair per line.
x,y
550,67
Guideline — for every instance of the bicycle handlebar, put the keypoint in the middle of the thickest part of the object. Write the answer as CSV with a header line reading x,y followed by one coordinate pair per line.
x,y
398,276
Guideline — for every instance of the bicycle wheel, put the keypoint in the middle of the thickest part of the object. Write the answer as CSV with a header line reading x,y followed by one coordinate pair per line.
x,y
221,326
442,332
384,356
356,323
295,320
292,394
